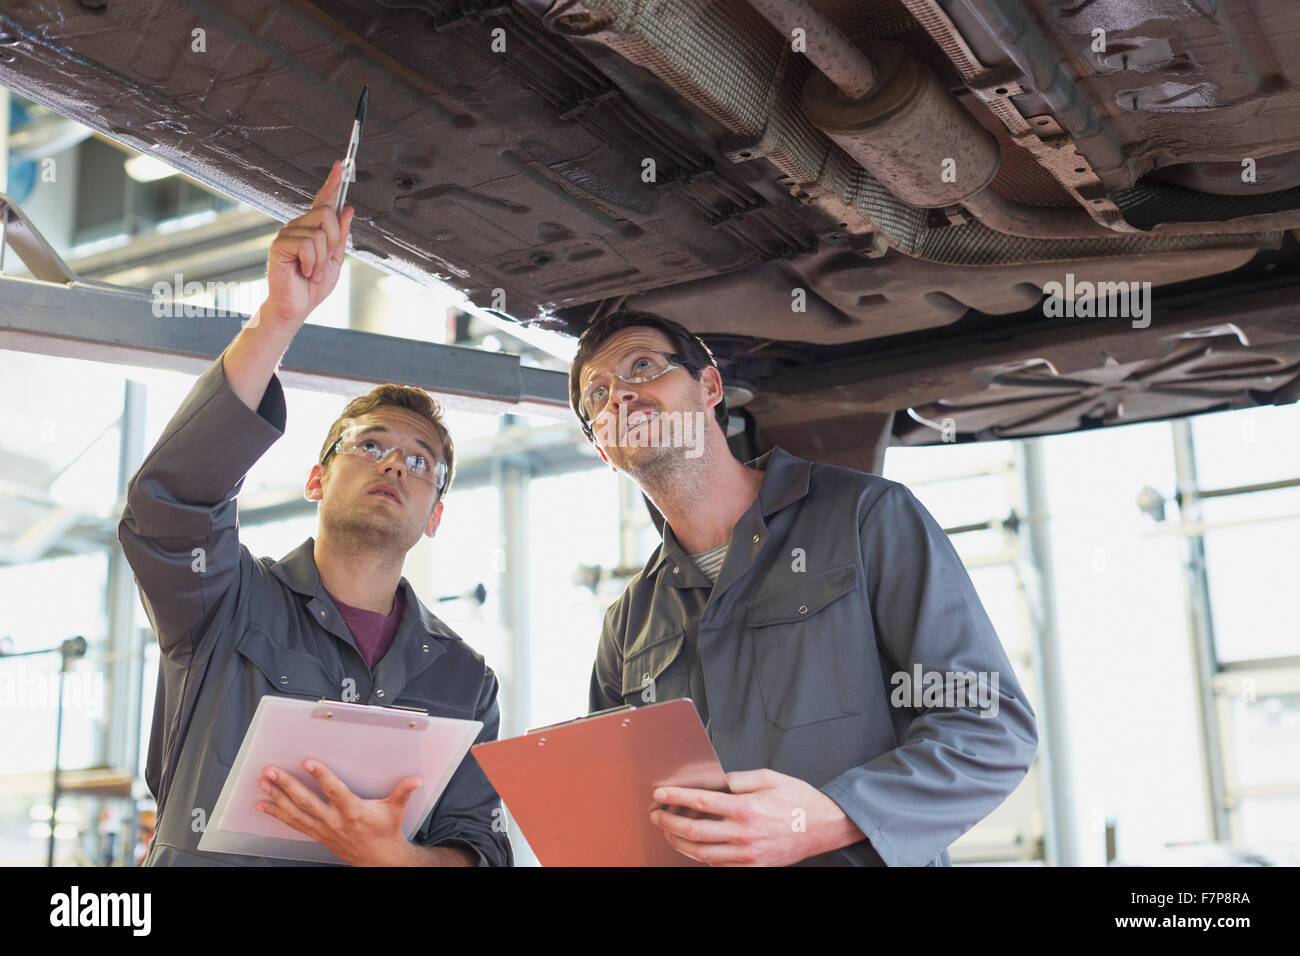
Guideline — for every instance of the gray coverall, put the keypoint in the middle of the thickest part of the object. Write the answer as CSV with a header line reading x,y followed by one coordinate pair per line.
x,y
834,582
232,628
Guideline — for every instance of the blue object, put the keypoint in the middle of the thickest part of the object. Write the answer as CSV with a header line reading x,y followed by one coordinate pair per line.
x,y
22,172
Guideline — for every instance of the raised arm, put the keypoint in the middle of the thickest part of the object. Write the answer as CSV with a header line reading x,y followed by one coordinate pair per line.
x,y
302,269
179,529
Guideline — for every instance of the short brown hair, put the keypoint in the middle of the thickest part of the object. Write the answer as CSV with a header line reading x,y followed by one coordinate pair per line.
x,y
693,355
401,396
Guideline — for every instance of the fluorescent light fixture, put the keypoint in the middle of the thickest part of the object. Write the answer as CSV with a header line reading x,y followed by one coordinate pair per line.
x,y
191,221
147,169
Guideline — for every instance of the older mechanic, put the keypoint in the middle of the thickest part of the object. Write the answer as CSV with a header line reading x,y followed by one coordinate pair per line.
x,y
785,599
333,619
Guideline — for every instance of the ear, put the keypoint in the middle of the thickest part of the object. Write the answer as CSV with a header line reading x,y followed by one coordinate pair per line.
x,y
711,379
434,520
314,490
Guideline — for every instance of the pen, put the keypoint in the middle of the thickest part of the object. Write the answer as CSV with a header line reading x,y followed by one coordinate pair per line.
x,y
350,160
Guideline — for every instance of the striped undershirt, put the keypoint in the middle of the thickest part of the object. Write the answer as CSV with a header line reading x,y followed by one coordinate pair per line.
x,y
710,562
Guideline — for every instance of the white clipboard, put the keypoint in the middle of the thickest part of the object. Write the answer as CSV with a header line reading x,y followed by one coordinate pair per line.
x,y
368,748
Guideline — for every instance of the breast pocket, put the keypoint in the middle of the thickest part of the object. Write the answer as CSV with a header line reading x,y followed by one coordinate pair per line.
x,y
814,653
270,669
289,672
655,671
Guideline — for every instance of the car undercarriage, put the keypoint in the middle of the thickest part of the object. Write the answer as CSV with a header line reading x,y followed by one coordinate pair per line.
x,y
871,211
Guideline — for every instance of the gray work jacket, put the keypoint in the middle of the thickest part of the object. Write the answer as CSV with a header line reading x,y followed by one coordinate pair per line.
x,y
834,581
232,628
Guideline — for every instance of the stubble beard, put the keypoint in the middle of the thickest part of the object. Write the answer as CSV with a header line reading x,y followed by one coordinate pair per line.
x,y
363,531
667,473
646,460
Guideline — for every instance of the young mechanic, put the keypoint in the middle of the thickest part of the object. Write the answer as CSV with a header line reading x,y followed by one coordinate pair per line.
x,y
334,618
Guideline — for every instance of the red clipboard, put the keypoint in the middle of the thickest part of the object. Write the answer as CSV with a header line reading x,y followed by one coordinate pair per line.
x,y
581,791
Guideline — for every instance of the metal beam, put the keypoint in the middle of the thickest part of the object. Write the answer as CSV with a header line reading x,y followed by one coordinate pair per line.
x,y
1200,619
124,660
232,245
81,321
1054,755
513,593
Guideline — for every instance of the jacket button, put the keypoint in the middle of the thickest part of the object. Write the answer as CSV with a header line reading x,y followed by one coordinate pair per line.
x,y
379,693
284,679
756,539
803,608
425,648
677,570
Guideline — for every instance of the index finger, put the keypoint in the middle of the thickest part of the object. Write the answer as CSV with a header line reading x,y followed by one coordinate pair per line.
x,y
329,190
709,801
293,788
333,788
697,831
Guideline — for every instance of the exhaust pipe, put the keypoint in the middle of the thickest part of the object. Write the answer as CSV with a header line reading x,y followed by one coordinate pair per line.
x,y
889,112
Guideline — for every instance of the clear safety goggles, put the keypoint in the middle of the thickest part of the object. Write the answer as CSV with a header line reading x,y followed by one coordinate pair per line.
x,y
372,447
636,368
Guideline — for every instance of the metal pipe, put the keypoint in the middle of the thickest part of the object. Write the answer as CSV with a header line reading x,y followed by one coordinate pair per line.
x,y
851,70
1035,222
1248,489
1073,222
4,138
4,181
910,133
888,111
